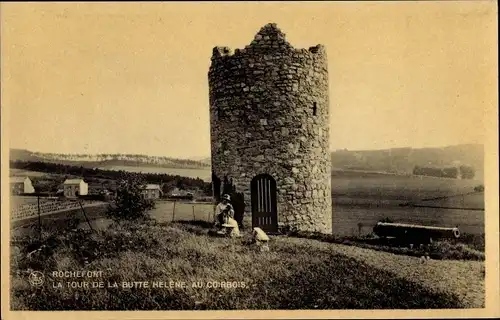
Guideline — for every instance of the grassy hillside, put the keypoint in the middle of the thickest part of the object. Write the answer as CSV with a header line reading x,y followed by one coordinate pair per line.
x,y
294,274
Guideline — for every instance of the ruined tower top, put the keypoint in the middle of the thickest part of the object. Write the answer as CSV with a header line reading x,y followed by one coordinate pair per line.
x,y
270,32
269,38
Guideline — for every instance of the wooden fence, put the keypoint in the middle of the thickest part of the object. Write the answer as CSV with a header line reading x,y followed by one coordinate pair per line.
x,y
183,210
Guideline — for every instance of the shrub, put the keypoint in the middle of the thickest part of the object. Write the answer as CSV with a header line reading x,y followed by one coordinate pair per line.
x,y
440,250
130,203
455,251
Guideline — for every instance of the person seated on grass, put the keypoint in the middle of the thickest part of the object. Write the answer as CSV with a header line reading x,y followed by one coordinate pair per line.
x,y
224,213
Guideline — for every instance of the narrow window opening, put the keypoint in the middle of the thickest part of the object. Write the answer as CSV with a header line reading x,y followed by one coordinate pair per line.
x,y
315,109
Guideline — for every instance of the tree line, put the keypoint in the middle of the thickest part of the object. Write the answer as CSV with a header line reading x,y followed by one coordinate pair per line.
x,y
463,172
121,157
94,174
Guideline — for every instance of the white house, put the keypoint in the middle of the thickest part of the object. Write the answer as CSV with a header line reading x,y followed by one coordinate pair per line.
x,y
75,187
152,191
20,185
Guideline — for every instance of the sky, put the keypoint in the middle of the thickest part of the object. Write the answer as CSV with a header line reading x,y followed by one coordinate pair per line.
x,y
132,77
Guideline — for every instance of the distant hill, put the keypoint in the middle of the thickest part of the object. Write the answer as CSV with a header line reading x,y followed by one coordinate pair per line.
x,y
404,160
205,160
395,160
105,160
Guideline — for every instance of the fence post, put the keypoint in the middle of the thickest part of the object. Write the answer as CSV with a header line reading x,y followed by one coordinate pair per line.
x,y
213,214
85,215
194,218
173,212
39,219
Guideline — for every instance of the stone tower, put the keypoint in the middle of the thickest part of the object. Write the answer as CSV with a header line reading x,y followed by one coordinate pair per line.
x,y
269,116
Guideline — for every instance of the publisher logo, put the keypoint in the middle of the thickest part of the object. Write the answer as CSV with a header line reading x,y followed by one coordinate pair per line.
x,y
36,278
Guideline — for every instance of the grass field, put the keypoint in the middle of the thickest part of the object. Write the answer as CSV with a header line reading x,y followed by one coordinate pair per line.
x,y
27,173
365,198
346,219
473,201
376,186
294,274
164,211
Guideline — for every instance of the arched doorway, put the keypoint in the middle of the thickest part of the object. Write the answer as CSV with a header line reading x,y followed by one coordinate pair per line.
x,y
264,207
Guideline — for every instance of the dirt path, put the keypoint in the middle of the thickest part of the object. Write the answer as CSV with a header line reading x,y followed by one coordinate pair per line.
x,y
462,278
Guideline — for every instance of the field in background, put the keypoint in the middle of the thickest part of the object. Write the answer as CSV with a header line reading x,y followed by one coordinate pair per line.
x,y
346,219
184,211
472,201
357,184
350,183
27,173
404,188
367,197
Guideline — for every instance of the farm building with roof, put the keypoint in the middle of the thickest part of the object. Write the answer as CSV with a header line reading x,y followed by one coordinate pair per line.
x,y
20,185
152,191
75,187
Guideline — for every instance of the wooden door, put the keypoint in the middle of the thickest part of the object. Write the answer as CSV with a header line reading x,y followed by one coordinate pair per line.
x,y
264,207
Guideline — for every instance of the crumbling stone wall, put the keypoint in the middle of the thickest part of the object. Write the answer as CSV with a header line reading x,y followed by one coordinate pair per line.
x,y
269,113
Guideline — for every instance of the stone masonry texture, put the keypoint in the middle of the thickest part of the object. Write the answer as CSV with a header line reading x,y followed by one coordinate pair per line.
x,y
269,114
